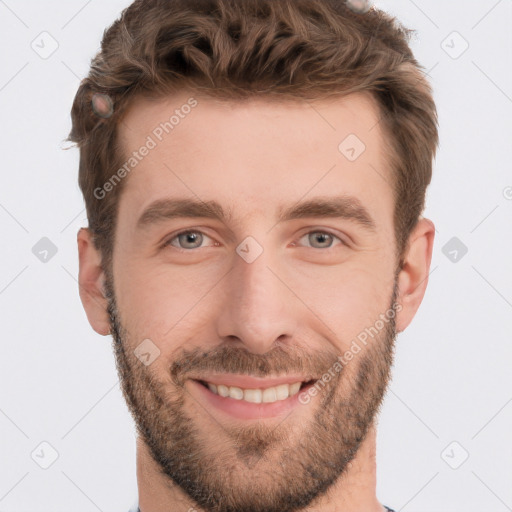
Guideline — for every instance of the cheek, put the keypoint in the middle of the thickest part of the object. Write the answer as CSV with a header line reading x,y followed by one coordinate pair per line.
x,y
348,300
159,300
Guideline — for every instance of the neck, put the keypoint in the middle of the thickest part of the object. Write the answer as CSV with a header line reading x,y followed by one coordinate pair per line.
x,y
353,492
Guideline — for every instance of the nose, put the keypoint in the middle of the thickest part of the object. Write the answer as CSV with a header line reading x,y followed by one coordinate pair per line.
x,y
257,311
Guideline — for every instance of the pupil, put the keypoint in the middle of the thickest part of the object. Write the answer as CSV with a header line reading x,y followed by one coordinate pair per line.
x,y
190,238
322,237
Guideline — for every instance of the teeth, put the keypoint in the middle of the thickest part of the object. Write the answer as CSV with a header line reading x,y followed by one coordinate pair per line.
x,y
269,395
294,388
222,390
282,391
257,396
253,395
236,393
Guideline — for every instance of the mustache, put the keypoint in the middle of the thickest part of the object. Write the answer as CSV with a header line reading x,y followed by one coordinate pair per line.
x,y
281,360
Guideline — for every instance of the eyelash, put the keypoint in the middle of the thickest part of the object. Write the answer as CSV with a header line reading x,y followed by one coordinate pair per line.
x,y
175,236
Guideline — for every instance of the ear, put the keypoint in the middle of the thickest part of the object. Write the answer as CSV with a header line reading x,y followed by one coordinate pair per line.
x,y
90,281
413,278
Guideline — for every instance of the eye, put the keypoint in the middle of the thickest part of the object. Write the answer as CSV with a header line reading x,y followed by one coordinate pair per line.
x,y
193,239
190,239
321,239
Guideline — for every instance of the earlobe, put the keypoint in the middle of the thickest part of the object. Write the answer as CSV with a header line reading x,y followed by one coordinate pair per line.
x,y
413,277
91,280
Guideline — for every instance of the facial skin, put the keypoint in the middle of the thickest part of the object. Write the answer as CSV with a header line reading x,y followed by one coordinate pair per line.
x,y
291,312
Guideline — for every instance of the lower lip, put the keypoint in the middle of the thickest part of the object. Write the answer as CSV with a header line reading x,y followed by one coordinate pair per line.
x,y
243,410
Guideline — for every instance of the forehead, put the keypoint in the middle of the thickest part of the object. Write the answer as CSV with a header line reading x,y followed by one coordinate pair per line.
x,y
254,153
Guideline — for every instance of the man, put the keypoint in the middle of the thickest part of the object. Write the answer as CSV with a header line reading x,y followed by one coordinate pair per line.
x,y
254,174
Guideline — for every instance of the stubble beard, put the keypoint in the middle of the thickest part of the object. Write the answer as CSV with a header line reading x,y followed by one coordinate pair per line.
x,y
253,468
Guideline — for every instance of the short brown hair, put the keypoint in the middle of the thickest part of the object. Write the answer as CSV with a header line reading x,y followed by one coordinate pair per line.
x,y
236,49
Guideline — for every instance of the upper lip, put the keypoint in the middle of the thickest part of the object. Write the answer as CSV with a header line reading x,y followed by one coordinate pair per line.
x,y
247,382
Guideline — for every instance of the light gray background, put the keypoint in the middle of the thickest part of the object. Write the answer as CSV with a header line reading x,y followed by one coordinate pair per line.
x,y
452,380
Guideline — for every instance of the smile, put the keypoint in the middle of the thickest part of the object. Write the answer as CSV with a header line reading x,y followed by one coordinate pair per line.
x,y
245,398
256,396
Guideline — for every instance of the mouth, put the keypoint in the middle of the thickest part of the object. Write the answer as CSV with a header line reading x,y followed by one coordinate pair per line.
x,y
245,398
258,395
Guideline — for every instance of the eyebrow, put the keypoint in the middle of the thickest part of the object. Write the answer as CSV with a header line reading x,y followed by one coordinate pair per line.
x,y
345,207
164,209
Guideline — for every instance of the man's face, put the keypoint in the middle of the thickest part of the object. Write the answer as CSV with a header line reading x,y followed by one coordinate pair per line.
x,y
268,295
